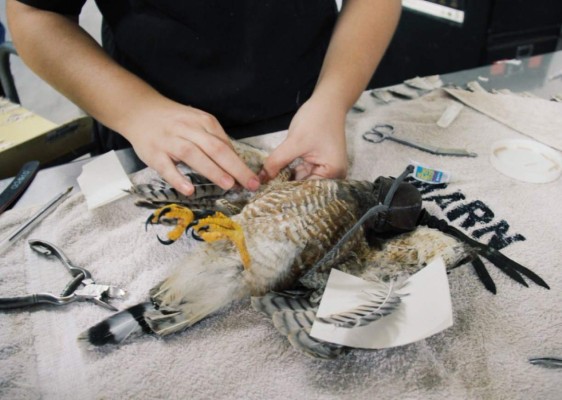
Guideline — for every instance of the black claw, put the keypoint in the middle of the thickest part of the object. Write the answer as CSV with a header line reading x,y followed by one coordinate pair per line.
x,y
196,236
163,212
166,242
148,222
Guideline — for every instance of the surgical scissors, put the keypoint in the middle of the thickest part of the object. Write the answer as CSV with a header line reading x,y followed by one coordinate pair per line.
x,y
381,132
91,291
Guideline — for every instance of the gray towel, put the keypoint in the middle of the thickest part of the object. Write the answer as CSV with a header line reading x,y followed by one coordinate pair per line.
x,y
237,354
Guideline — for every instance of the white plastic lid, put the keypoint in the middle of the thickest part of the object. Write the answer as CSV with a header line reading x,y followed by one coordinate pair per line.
x,y
526,160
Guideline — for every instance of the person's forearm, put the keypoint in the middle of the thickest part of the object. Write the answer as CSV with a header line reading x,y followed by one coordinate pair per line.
x,y
161,131
360,39
60,52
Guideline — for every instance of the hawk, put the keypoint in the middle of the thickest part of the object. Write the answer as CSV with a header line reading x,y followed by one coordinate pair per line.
x,y
278,245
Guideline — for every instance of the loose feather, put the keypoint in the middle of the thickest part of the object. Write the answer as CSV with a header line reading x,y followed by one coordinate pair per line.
x,y
382,302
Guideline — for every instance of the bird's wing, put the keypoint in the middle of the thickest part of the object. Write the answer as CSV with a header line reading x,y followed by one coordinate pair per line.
x,y
387,264
293,316
207,195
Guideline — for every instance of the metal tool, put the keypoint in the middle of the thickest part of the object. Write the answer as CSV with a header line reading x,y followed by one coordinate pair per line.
x,y
34,220
549,362
81,287
381,132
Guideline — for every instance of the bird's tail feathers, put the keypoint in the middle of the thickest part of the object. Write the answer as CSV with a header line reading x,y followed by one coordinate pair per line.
x,y
144,318
166,321
119,326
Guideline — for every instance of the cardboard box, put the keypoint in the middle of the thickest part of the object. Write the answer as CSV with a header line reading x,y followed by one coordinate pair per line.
x,y
25,136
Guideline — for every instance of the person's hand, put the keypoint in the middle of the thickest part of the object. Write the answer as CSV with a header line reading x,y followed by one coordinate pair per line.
x,y
317,136
163,135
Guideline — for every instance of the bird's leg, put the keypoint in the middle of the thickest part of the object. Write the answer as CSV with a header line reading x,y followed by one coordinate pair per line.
x,y
217,227
209,226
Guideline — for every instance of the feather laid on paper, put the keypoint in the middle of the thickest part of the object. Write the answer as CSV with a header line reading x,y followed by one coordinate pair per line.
x,y
423,312
380,302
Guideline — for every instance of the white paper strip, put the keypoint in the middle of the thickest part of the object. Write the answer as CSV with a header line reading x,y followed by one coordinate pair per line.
x,y
425,311
103,180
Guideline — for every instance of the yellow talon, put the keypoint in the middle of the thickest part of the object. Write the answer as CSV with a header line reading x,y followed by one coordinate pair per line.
x,y
182,215
218,227
211,228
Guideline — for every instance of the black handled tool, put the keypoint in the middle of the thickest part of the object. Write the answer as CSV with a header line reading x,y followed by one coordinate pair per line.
x,y
18,185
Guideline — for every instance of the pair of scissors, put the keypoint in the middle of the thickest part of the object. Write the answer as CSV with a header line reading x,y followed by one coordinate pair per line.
x,y
81,287
381,132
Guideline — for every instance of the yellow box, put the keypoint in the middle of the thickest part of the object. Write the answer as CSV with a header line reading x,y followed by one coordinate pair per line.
x,y
25,136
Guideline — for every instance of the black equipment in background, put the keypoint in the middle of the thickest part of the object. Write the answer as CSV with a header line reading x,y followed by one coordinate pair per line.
x,y
442,36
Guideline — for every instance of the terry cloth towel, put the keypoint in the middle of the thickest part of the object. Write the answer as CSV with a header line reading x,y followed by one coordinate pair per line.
x,y
237,354
534,117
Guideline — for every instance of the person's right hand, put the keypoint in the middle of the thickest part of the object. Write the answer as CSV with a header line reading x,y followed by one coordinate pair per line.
x,y
169,133
161,131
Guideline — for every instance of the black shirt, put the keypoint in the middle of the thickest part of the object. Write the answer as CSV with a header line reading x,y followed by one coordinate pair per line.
x,y
250,63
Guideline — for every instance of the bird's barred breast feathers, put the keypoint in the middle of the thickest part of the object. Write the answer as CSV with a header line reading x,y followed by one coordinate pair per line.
x,y
290,227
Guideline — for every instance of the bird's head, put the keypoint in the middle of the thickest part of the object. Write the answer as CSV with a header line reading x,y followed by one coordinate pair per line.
x,y
399,213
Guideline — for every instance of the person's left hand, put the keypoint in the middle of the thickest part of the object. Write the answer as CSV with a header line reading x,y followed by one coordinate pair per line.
x,y
316,135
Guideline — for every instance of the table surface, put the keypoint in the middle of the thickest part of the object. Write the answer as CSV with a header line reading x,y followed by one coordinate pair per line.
x,y
540,75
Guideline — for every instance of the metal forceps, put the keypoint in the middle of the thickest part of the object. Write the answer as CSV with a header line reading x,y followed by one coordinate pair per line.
x,y
382,132
548,362
81,287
